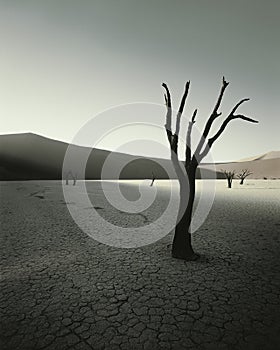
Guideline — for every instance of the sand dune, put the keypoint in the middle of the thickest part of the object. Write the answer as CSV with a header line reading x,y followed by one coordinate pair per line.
x,y
30,156
265,156
261,168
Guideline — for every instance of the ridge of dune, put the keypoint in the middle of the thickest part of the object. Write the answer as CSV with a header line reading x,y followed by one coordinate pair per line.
x,y
32,156
268,155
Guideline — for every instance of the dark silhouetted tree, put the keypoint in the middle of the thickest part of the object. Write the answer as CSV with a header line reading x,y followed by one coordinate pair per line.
x,y
182,247
69,175
229,175
153,179
74,177
242,176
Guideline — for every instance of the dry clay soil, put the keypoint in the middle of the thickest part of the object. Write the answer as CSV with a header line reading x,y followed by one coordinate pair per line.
x,y
61,289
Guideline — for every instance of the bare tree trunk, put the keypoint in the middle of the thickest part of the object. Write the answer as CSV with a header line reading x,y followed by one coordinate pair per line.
x,y
242,181
229,182
182,246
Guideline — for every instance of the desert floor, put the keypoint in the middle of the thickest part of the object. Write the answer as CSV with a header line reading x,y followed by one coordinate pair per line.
x,y
61,289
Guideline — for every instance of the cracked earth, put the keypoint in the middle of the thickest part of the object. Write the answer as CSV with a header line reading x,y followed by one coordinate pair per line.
x,y
60,289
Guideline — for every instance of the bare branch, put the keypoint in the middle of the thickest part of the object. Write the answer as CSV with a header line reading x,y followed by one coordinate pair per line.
x,y
243,174
228,174
225,123
240,116
215,114
238,104
167,97
194,115
224,85
188,140
220,131
175,137
231,116
181,109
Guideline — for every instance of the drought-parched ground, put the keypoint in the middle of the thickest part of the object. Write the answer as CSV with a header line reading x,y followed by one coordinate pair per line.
x,y
61,289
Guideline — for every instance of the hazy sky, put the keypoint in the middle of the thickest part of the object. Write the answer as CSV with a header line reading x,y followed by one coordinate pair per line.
x,y
62,62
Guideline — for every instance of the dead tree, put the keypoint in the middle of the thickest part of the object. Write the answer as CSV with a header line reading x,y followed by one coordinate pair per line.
x,y
242,176
67,177
73,177
229,175
182,247
153,179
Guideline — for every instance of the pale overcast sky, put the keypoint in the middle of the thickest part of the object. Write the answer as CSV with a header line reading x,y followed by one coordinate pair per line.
x,y
63,62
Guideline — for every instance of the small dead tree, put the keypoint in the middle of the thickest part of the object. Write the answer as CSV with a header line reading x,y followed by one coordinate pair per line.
x,y
229,175
69,175
182,247
153,179
75,176
242,176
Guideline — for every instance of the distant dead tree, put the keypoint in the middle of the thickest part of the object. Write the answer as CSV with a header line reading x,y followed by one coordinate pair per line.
x,y
229,176
242,176
75,176
182,247
69,175
153,179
